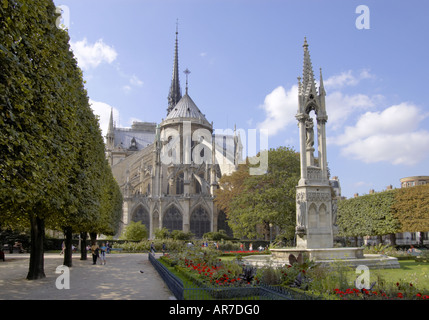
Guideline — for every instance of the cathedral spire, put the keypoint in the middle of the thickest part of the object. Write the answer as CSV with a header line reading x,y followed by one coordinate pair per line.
x,y
175,93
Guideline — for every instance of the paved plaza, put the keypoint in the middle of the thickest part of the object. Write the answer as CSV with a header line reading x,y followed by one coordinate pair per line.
x,y
119,279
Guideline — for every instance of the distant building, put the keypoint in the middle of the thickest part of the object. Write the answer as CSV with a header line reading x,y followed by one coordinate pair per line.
x,y
414,181
335,184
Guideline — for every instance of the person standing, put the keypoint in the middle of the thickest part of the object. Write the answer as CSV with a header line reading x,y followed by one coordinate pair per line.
x,y
103,250
95,252
63,248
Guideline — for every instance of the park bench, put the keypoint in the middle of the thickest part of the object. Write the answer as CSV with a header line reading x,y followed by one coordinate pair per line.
x,y
116,249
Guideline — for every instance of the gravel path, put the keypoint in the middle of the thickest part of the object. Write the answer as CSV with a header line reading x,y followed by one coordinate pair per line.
x,y
119,279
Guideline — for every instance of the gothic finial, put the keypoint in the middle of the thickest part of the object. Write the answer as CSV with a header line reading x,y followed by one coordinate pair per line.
x,y
308,81
187,72
321,86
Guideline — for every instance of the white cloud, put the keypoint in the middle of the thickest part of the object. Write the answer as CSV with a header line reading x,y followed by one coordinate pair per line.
x,y
126,88
280,108
391,136
340,106
346,78
91,55
103,110
135,81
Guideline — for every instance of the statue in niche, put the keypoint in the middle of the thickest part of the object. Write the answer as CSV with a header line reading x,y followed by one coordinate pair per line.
x,y
301,217
309,132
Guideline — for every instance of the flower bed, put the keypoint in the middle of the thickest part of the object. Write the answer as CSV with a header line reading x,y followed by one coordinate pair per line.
x,y
205,269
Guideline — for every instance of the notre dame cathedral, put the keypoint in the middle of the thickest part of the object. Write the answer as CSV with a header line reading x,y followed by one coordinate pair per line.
x,y
168,172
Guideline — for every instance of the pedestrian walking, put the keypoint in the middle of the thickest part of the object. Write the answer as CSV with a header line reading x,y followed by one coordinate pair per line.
x,y
103,250
63,248
95,252
152,248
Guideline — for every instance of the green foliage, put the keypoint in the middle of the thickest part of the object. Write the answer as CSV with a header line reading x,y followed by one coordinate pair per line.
x,y
162,233
411,208
52,162
53,170
399,210
252,202
216,235
367,215
181,235
135,231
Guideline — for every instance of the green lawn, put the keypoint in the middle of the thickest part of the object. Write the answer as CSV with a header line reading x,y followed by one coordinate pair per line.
x,y
416,273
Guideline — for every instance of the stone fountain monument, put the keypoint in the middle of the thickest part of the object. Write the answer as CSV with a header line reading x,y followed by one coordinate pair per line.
x,y
315,214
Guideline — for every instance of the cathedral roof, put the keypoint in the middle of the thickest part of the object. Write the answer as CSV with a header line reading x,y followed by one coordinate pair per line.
x,y
186,108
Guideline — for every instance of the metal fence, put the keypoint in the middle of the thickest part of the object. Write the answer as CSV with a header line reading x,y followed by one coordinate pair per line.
x,y
186,292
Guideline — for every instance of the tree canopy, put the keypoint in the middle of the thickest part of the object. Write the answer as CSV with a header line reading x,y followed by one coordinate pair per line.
x,y
388,212
253,202
53,171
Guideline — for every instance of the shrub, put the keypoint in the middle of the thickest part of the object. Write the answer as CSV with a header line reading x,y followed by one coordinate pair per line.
x,y
135,231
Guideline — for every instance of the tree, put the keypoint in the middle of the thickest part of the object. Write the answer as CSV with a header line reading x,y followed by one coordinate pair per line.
x,y
260,200
368,215
411,208
37,119
53,171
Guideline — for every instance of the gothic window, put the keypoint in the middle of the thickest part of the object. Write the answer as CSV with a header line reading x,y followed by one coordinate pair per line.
x,y
173,219
140,214
312,216
323,216
200,222
180,183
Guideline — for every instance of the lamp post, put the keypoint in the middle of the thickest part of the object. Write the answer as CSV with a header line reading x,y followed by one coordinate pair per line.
x,y
271,236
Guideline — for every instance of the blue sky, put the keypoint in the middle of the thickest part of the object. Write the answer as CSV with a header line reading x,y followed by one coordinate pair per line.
x,y
245,57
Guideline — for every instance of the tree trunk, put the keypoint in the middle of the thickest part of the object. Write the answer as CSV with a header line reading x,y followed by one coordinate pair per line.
x,y
36,267
93,236
379,239
83,252
68,232
393,239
